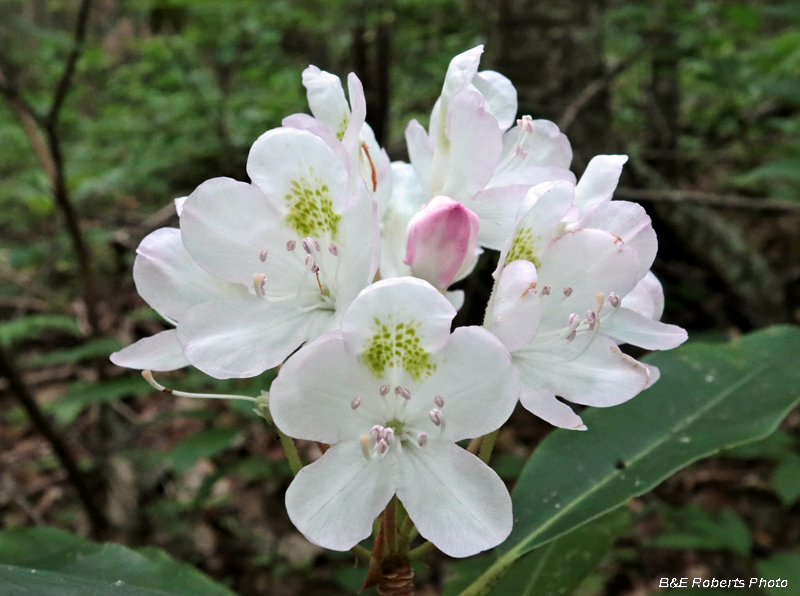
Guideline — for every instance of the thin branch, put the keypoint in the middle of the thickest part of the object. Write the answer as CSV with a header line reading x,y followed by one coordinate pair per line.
x,y
704,198
18,387
595,87
64,84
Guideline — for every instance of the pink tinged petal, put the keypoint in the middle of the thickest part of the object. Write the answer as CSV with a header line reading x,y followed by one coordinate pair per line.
x,y
541,141
226,224
169,279
454,499
497,209
500,94
545,405
323,131
243,337
630,222
326,98
599,180
460,72
629,327
517,308
358,113
590,262
541,211
420,153
179,205
286,162
160,352
647,298
313,395
441,241
390,302
602,376
477,383
475,146
334,501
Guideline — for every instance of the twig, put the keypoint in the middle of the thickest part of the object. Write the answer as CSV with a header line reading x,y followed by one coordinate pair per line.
x,y
595,87
693,196
65,82
60,448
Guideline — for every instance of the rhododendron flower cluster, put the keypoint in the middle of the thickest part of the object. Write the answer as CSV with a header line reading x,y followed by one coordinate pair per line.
x,y
336,266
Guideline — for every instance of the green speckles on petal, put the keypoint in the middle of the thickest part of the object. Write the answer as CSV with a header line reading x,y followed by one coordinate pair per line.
x,y
522,248
397,345
311,208
342,127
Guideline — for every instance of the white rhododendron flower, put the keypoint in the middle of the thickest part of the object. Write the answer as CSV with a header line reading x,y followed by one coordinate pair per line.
x,y
559,309
393,391
297,235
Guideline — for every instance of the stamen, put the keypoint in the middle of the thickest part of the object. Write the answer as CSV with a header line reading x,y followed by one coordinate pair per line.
x,y
405,393
383,446
371,166
384,390
291,245
436,417
148,376
601,298
355,403
376,432
259,281
614,300
422,439
365,446
334,250
573,321
388,436
263,255
591,316
397,390
308,244
567,291
546,290
572,335
438,400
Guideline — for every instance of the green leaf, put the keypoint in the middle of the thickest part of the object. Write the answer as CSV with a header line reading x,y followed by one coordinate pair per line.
x,y
785,567
207,443
709,397
786,479
54,562
81,394
35,326
98,348
557,568
695,527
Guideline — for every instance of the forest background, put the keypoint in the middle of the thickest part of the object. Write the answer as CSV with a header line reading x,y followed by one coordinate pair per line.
x,y
112,108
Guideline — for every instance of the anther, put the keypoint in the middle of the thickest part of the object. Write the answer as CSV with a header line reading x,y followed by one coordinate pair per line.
x,y
397,389
263,255
308,244
291,245
422,439
405,393
614,300
438,400
573,321
571,335
334,250
567,291
377,432
591,316
355,403
388,436
259,281
546,290
315,270
383,445
384,391
436,416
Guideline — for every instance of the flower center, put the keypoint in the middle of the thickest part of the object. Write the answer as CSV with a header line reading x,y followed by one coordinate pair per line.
x,y
310,208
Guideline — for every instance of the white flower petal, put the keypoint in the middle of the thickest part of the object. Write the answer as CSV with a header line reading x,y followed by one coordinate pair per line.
x,y
302,176
420,153
629,327
358,113
323,131
497,207
602,376
312,397
179,205
160,352
456,298
647,298
326,99
475,376
500,94
542,141
459,75
243,337
455,500
413,313
517,308
545,405
599,180
170,281
475,146
334,501
630,222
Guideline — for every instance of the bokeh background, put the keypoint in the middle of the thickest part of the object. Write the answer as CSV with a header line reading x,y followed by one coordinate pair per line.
x,y
111,108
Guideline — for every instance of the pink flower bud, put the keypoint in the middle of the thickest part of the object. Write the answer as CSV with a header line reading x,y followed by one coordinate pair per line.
x,y
441,241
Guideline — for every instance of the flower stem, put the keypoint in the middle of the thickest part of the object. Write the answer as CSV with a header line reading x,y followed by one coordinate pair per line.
x,y
487,446
360,552
291,452
420,551
390,527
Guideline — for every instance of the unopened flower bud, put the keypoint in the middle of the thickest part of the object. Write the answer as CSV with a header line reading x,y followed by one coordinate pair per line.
x,y
441,242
